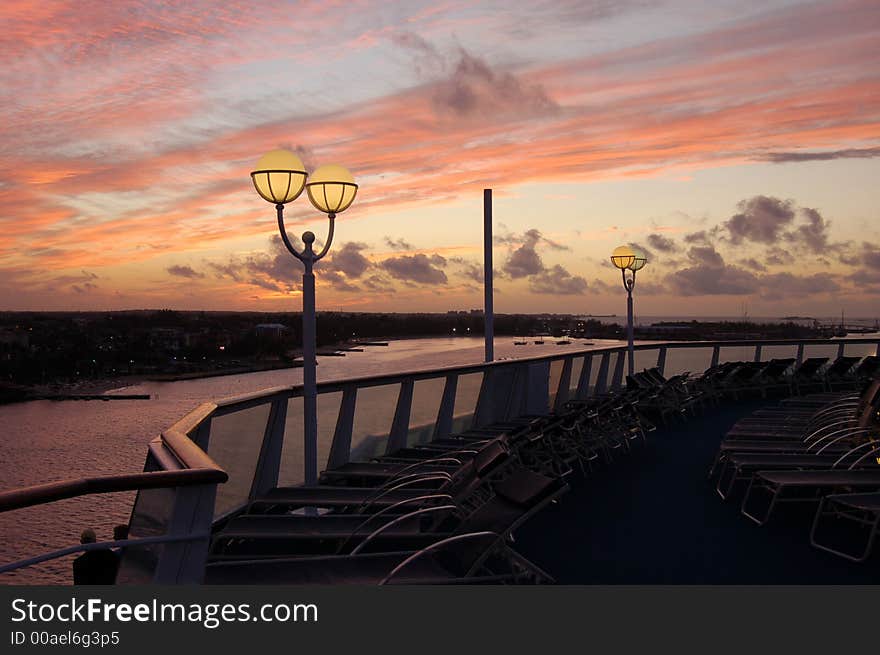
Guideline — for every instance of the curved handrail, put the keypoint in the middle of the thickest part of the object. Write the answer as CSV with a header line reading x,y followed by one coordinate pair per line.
x,y
329,386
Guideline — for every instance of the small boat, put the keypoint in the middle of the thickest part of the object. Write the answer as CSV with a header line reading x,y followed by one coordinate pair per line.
x,y
520,342
562,342
539,342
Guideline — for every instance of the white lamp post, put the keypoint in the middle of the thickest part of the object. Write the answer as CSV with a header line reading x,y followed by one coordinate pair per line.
x,y
629,259
280,178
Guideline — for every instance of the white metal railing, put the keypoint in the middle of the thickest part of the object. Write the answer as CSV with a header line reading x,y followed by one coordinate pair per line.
x,y
258,450
244,436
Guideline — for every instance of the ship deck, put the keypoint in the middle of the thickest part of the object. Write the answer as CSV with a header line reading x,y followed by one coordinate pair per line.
x,y
653,517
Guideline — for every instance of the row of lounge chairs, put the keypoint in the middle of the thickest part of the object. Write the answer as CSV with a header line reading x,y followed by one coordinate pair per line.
x,y
822,449
440,512
787,376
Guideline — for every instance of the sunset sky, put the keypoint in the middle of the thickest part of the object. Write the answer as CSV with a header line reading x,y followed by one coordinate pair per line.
x,y
737,142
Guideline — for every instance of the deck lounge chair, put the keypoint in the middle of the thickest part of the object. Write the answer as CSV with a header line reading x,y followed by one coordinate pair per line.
x,y
862,509
808,486
476,551
490,460
808,375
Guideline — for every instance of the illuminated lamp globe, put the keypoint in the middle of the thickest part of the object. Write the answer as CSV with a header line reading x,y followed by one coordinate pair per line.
x,y
639,260
331,189
279,177
623,257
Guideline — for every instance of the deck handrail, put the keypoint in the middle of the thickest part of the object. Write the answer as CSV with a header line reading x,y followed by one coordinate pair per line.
x,y
329,386
50,492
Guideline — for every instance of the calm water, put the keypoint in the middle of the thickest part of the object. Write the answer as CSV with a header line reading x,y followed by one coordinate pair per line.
x,y
44,441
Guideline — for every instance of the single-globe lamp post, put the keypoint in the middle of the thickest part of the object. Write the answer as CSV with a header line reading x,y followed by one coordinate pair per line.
x,y
629,259
280,178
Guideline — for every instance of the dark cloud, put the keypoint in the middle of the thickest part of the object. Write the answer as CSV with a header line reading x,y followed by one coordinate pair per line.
x,y
474,90
557,281
602,286
398,244
81,278
417,268
813,235
473,272
183,270
703,280
338,281
697,237
378,283
530,237
849,153
646,251
870,256
662,243
86,287
783,286
523,261
705,256
276,270
347,260
753,264
762,219
778,257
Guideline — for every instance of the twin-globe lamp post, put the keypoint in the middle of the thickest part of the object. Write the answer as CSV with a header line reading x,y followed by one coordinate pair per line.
x,y
629,259
280,178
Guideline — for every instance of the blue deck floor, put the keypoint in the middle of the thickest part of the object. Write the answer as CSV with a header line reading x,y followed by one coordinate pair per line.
x,y
652,517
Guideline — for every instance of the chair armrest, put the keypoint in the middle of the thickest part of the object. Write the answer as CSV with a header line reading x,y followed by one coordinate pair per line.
x,y
386,510
401,484
399,519
846,433
432,548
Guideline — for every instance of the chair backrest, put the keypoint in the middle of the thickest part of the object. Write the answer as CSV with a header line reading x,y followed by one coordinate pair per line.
x,y
869,405
809,367
516,499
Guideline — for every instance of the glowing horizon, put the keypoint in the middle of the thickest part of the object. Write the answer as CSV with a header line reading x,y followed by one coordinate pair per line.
x,y
737,143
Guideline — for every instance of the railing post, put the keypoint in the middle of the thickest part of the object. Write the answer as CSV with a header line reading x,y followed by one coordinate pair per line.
x,y
537,401
269,461
602,379
661,360
201,436
400,424
716,355
800,355
840,349
496,390
443,426
758,353
340,449
617,378
877,352
562,390
192,513
583,388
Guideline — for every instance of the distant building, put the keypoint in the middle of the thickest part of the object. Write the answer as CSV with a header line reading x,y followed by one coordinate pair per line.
x,y
166,338
270,330
14,338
